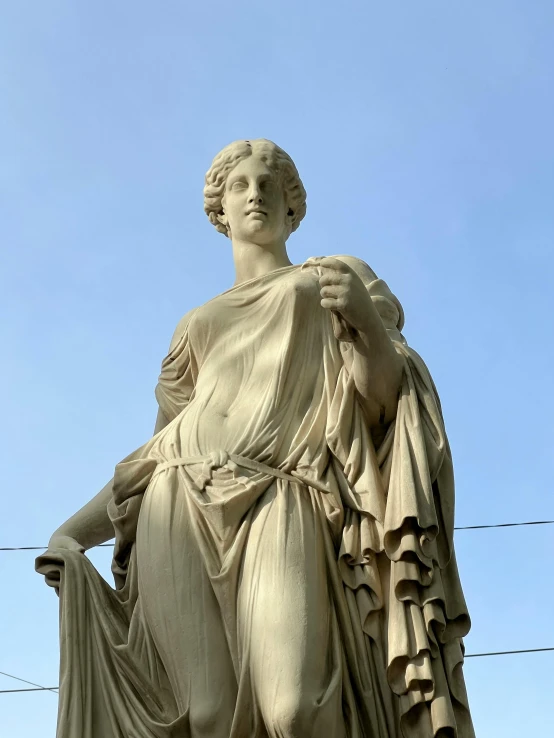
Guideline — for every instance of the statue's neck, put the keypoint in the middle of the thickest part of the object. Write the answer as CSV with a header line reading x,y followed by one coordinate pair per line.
x,y
252,260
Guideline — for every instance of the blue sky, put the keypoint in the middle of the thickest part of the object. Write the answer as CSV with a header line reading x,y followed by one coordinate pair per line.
x,y
423,134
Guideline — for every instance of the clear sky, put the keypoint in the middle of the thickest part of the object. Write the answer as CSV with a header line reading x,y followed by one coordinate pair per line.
x,y
423,132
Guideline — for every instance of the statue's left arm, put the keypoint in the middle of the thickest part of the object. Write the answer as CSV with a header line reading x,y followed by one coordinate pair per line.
x,y
373,361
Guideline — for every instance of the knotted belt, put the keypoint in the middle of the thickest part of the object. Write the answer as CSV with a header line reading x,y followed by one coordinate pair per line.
x,y
219,459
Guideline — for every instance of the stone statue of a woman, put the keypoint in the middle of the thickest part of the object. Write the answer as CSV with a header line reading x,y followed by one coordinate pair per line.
x,y
284,560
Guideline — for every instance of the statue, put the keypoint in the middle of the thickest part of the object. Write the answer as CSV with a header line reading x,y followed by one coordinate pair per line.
x,y
283,563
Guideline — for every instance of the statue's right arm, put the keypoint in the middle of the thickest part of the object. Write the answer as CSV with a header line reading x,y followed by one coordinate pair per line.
x,y
88,527
91,525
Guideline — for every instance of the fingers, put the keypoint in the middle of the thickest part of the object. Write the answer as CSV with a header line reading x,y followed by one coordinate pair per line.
x,y
50,570
53,579
329,303
329,262
332,277
335,282
333,303
334,271
334,285
332,290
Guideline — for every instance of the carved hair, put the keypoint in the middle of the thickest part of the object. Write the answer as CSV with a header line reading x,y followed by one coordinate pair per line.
x,y
275,158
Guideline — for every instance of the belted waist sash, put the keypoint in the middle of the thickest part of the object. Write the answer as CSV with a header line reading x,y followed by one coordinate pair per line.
x,y
220,458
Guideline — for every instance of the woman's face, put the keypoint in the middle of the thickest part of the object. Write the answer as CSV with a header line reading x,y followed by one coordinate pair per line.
x,y
254,204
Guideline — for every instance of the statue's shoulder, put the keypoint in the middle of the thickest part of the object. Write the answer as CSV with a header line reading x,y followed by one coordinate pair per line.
x,y
181,329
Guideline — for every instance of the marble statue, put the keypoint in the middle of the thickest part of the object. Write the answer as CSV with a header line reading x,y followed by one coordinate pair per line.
x,y
284,563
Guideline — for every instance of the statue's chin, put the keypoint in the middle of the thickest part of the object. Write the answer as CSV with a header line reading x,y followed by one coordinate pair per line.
x,y
258,222
258,229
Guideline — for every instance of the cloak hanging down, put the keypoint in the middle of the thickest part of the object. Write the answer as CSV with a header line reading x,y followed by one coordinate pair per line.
x,y
286,576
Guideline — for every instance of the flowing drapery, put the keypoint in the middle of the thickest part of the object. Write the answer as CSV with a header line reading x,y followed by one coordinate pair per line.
x,y
366,633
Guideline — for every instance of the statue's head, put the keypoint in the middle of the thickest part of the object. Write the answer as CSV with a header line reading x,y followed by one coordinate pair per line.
x,y
253,192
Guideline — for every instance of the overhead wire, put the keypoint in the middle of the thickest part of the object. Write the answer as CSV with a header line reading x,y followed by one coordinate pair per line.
x,y
39,688
30,689
26,681
507,653
503,525
459,527
467,656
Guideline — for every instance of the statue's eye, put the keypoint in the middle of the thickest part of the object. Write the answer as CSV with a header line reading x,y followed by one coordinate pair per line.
x,y
238,185
267,185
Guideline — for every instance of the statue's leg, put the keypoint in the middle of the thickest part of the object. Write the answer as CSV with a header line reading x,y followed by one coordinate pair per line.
x,y
288,630
181,610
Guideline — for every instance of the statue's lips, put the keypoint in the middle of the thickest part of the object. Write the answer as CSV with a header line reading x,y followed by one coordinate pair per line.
x,y
256,212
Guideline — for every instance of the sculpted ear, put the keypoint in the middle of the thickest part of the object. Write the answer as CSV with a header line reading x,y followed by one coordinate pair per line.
x,y
222,218
289,218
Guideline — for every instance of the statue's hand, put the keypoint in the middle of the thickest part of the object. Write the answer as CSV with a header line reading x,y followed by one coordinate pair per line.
x,y
343,292
49,563
66,543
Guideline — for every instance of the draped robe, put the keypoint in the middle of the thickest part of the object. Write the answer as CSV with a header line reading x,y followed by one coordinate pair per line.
x,y
291,577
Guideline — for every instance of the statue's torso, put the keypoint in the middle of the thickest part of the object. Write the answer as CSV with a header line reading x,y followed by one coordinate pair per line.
x,y
257,362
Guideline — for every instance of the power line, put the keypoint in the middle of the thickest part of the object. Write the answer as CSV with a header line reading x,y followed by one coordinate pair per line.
x,y
507,653
460,527
31,689
26,681
501,525
467,656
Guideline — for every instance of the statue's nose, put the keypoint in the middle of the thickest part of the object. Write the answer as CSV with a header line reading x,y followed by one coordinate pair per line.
x,y
255,195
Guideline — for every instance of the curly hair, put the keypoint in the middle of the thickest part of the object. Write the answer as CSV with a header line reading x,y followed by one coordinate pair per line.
x,y
277,159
